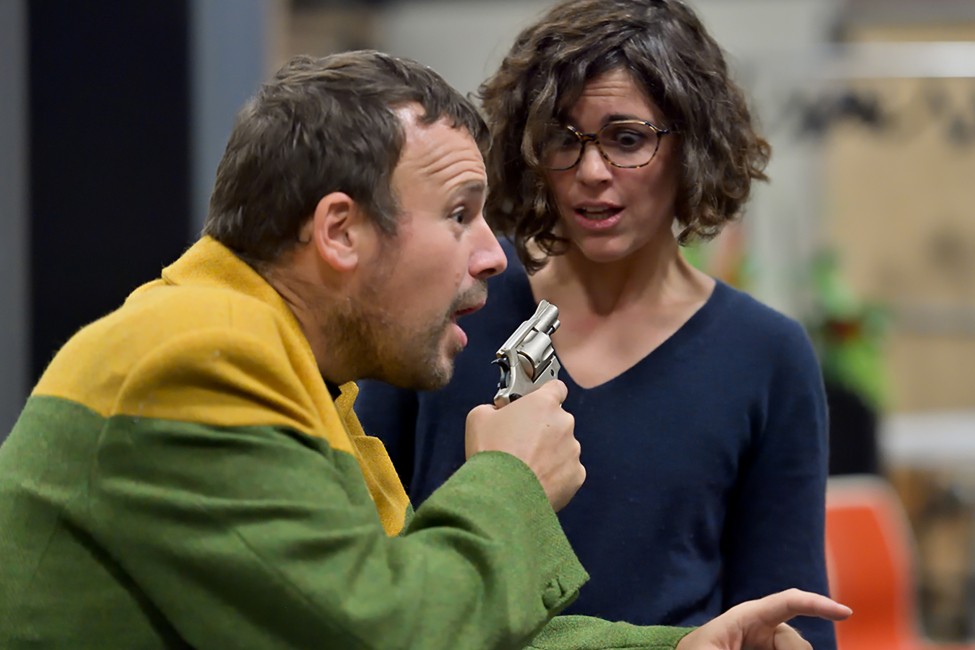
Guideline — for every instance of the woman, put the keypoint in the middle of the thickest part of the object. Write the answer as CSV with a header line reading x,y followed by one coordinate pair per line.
x,y
617,136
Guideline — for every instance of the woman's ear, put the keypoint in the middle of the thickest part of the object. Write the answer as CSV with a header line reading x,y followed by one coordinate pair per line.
x,y
341,231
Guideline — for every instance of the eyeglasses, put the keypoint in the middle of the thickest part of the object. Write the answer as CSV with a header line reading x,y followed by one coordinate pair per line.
x,y
622,143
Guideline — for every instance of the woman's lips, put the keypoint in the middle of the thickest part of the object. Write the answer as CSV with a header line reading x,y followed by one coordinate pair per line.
x,y
597,217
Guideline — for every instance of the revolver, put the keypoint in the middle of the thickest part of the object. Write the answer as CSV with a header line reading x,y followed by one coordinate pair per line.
x,y
527,359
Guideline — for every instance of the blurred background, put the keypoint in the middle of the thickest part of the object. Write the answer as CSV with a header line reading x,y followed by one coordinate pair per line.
x,y
113,116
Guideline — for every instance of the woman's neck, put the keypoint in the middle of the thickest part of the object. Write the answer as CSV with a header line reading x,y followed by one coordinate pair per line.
x,y
653,277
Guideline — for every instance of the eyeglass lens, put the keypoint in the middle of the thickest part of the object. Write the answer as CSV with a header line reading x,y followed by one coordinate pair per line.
x,y
625,144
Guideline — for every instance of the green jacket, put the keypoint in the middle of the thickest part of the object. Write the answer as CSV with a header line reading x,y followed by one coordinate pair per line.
x,y
182,477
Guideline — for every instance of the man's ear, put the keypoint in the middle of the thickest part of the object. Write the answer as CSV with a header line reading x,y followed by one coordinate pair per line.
x,y
342,232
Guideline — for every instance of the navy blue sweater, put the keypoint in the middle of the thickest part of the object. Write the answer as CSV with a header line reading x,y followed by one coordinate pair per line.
x,y
706,461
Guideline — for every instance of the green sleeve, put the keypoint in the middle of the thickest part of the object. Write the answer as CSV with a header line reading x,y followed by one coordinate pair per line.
x,y
586,633
263,538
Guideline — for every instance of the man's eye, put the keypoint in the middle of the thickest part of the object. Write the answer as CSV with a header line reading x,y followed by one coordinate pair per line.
x,y
460,216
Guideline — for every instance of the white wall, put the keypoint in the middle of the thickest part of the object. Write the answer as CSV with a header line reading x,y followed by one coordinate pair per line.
x,y
231,43
463,41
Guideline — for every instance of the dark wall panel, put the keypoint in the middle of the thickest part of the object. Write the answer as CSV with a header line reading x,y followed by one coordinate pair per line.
x,y
110,156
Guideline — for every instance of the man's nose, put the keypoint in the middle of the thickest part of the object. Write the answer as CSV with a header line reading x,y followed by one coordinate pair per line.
x,y
487,257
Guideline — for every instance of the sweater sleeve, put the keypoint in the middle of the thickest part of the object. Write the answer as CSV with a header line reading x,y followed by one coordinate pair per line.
x,y
588,633
264,536
774,537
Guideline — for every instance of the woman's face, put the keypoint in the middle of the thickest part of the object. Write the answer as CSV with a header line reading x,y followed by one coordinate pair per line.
x,y
609,213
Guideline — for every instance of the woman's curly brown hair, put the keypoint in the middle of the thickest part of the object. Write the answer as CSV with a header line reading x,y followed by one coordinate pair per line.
x,y
663,44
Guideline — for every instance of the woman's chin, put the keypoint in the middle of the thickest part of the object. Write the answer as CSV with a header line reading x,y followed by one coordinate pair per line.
x,y
604,251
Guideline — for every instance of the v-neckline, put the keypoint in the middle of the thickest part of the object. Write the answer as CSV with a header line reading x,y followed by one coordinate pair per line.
x,y
697,321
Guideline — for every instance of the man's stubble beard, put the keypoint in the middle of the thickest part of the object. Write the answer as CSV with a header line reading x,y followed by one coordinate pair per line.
x,y
375,342
379,348
368,335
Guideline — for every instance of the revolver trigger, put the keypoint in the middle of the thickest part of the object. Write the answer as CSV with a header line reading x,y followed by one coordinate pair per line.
x,y
505,372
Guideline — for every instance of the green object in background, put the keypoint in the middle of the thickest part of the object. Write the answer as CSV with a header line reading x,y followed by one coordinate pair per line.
x,y
695,254
848,334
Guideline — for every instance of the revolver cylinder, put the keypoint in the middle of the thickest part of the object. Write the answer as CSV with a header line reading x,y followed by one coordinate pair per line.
x,y
527,359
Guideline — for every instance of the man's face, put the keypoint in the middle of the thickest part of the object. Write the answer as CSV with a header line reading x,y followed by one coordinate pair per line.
x,y
435,268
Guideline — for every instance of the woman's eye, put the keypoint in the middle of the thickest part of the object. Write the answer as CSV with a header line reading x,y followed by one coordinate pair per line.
x,y
558,139
566,141
628,139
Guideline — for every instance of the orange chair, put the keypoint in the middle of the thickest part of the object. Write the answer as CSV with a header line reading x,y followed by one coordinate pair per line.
x,y
870,554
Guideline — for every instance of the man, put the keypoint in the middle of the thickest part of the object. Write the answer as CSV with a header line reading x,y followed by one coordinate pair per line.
x,y
189,472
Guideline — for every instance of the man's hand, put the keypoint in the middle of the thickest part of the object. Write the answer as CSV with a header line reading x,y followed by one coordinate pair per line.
x,y
760,624
535,429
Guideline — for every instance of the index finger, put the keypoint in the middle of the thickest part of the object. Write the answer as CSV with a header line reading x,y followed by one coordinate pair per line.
x,y
785,605
556,388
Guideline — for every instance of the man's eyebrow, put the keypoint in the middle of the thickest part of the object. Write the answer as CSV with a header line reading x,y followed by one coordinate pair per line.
x,y
470,187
